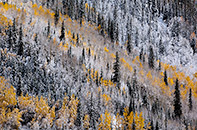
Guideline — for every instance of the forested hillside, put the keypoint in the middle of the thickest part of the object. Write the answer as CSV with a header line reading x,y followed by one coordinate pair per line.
x,y
98,64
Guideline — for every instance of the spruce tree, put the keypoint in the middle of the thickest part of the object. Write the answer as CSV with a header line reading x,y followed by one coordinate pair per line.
x,y
161,47
151,58
157,126
177,101
129,44
165,78
62,32
56,16
78,120
20,42
141,54
48,29
116,73
190,99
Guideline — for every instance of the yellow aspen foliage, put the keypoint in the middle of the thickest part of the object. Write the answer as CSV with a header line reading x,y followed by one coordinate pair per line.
x,y
8,97
122,60
86,122
99,28
101,124
86,5
41,106
105,49
170,80
141,66
183,94
139,121
105,122
112,55
130,68
195,75
25,101
141,73
106,98
118,120
128,118
149,76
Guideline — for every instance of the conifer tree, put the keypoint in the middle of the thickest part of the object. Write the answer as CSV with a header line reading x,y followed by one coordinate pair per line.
x,y
83,56
20,42
177,101
190,99
157,126
116,73
77,40
62,36
56,16
9,33
48,29
151,58
129,44
161,47
165,78
78,120
141,54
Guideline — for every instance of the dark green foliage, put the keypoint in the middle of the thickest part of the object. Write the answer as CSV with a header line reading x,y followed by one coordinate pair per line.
x,y
157,126
129,44
141,54
161,47
177,101
48,29
151,58
151,125
116,73
77,40
56,16
62,36
78,120
190,99
20,42
165,78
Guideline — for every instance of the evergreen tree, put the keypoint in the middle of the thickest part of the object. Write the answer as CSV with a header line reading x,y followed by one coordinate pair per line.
x,y
190,99
136,37
62,36
161,47
129,44
56,16
9,33
83,56
157,126
48,29
141,54
177,101
165,78
116,73
20,42
159,68
101,75
77,40
78,120
151,125
151,58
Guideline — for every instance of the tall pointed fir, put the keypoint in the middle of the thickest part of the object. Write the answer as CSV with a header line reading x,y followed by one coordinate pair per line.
x,y
151,58
116,73
129,43
165,78
177,101
62,36
190,99
20,41
56,16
